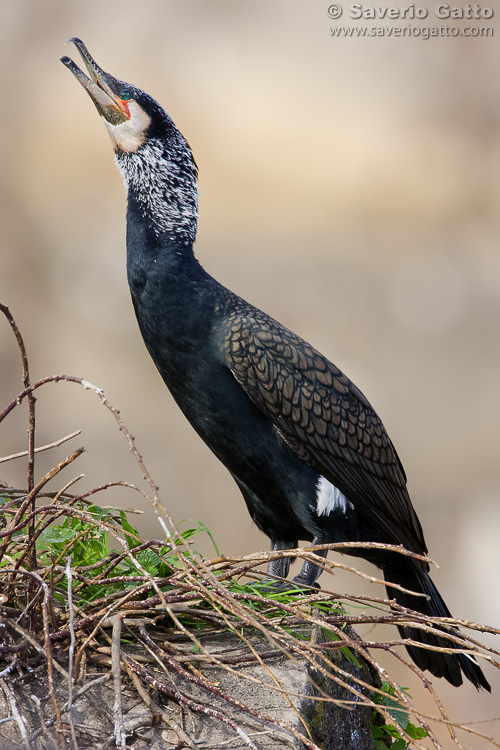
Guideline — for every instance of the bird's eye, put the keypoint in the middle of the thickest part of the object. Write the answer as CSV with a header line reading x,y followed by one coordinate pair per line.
x,y
126,95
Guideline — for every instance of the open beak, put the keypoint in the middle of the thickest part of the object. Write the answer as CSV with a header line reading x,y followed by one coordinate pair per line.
x,y
108,104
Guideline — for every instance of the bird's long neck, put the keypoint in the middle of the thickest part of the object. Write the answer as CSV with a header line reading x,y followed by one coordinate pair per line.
x,y
172,294
160,178
162,211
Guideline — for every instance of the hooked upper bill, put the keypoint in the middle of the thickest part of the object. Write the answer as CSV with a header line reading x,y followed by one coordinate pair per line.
x,y
127,120
108,104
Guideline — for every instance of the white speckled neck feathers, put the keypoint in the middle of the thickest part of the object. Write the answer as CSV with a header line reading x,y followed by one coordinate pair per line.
x,y
162,177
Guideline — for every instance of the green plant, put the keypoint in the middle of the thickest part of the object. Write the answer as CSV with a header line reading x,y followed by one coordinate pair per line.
x,y
101,569
381,733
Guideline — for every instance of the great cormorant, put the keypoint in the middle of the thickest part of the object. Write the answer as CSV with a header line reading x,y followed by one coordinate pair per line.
x,y
308,452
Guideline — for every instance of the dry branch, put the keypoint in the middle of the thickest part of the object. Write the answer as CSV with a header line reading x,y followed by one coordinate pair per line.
x,y
167,618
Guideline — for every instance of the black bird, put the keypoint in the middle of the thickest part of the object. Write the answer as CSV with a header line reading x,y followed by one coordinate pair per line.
x,y
308,452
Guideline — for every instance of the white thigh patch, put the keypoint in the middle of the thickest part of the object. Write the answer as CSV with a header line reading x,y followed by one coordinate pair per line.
x,y
329,497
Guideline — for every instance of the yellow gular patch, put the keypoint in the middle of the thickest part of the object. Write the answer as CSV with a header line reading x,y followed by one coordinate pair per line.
x,y
129,135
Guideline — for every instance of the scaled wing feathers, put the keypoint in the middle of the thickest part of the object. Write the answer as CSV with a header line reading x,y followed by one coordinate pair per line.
x,y
323,418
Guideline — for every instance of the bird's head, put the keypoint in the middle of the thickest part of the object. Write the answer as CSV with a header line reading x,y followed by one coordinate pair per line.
x,y
152,155
131,116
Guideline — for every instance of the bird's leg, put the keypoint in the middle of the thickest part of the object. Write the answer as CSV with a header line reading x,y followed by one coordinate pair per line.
x,y
281,565
310,572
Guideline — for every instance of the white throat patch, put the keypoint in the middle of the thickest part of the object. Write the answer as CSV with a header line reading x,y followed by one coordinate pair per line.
x,y
128,136
164,184
329,497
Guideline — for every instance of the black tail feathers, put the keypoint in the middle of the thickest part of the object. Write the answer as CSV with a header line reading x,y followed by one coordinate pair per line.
x,y
449,666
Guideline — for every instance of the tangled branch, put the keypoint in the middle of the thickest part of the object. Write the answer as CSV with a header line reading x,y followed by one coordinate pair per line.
x,y
148,612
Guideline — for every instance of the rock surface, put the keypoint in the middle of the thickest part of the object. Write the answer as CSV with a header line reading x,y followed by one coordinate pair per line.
x,y
328,725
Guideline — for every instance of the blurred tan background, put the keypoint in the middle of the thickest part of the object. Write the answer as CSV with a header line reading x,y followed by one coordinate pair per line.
x,y
350,187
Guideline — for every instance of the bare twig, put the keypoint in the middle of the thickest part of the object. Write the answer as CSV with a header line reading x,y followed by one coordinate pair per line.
x,y
47,649
176,695
120,733
89,685
11,699
47,447
31,428
157,710
71,652
15,523
196,591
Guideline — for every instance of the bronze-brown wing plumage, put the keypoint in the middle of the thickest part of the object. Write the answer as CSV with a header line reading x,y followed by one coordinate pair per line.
x,y
324,418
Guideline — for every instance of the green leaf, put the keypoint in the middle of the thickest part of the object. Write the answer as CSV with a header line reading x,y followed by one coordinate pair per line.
x,y
102,514
416,733
131,541
95,550
391,731
199,528
400,715
351,658
150,561
393,707
55,536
